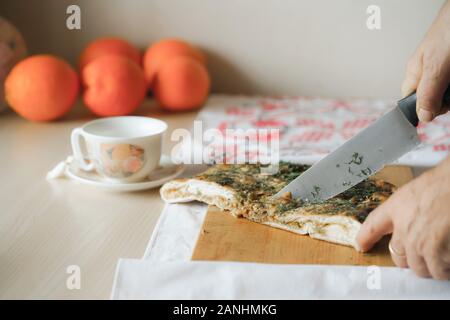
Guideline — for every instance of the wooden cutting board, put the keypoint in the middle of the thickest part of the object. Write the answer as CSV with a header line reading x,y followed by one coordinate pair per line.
x,y
225,238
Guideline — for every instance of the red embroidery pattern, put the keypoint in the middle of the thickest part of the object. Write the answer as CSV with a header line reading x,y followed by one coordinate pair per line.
x,y
313,126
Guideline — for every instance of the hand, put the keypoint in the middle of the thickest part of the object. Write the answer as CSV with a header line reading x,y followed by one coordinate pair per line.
x,y
428,71
418,216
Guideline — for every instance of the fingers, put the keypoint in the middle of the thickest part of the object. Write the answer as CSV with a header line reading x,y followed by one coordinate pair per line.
x,y
377,224
398,252
437,257
412,76
405,255
417,263
430,91
430,79
438,269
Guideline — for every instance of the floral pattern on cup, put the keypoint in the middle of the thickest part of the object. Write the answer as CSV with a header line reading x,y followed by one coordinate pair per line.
x,y
121,160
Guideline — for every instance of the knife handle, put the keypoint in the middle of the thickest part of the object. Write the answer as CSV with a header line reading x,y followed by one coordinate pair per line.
x,y
408,106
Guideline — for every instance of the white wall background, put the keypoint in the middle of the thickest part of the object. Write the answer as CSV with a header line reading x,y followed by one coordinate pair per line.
x,y
294,47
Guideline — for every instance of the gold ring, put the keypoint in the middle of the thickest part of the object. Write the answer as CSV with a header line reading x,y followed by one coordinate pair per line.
x,y
394,252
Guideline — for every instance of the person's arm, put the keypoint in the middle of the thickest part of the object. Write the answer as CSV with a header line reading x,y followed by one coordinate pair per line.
x,y
418,214
428,70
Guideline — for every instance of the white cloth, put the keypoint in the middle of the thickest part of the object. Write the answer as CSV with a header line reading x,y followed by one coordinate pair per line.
x,y
176,232
137,279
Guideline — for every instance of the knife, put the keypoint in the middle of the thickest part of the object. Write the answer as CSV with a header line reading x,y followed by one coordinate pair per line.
x,y
381,143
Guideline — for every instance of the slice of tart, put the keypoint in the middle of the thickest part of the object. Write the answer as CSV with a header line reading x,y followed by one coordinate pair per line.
x,y
246,191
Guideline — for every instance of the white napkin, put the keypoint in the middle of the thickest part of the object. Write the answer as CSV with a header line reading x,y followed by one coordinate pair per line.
x,y
137,279
176,232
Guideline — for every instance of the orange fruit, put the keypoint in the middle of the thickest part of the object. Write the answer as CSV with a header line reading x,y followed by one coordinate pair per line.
x,y
182,83
114,85
106,46
156,54
41,88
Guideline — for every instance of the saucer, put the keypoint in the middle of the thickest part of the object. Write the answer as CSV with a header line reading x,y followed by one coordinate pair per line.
x,y
165,172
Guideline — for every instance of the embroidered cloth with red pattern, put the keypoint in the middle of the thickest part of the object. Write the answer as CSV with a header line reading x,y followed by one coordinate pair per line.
x,y
310,128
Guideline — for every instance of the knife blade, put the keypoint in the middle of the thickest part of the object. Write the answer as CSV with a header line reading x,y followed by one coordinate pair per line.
x,y
381,143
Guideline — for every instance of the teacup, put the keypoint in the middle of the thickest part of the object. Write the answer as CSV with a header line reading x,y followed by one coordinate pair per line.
x,y
120,149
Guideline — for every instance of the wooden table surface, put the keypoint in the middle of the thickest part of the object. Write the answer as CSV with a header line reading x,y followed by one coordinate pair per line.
x,y
46,226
